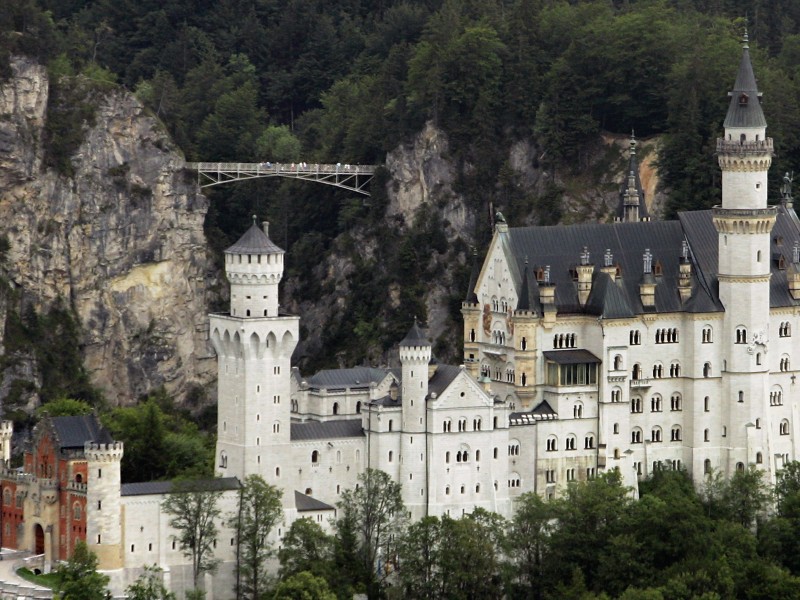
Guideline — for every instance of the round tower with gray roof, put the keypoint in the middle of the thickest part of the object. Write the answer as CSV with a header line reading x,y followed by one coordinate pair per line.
x,y
254,344
415,357
744,223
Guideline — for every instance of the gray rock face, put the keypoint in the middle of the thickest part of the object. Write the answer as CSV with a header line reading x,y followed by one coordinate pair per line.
x,y
121,242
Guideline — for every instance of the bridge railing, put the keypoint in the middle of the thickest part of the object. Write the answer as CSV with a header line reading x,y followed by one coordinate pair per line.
x,y
270,167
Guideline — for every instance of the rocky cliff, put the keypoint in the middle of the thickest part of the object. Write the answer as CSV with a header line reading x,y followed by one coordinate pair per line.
x,y
119,241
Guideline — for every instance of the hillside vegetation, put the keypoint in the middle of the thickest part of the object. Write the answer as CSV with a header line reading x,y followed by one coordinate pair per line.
x,y
348,80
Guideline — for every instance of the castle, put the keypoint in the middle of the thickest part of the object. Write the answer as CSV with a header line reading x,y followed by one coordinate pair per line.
x,y
635,345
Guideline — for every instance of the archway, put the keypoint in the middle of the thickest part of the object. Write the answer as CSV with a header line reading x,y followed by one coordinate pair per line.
x,y
38,536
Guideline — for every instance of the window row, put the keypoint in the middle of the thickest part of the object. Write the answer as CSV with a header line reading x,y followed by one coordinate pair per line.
x,y
550,475
564,340
667,336
570,443
447,425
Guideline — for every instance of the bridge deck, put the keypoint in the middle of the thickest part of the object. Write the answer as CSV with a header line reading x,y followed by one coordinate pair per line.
x,y
351,177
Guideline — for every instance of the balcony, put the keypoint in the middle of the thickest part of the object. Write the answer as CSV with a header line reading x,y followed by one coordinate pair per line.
x,y
640,383
744,148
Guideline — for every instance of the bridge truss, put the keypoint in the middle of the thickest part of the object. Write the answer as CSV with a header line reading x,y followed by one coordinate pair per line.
x,y
355,178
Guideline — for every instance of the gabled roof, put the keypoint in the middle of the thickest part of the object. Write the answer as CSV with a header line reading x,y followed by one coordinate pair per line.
x,y
254,241
745,107
347,378
74,432
147,488
316,430
305,503
442,378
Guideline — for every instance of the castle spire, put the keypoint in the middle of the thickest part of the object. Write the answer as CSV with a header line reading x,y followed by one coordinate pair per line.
x,y
632,207
745,106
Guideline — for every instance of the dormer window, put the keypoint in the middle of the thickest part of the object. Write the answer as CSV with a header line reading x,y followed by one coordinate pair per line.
x,y
657,269
743,98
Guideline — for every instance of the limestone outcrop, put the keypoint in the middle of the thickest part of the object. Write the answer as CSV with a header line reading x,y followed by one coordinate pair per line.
x,y
120,241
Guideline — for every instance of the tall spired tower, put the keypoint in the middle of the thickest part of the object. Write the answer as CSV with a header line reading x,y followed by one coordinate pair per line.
x,y
743,223
254,344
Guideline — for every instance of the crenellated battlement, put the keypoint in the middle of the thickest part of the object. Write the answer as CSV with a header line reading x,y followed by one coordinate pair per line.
x,y
111,452
415,354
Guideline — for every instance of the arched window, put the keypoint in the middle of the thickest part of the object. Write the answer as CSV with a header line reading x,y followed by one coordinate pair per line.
x,y
636,436
358,407
570,443
741,335
740,467
391,423
477,456
636,405
784,427
618,362
335,408
707,335
706,435
655,404
391,456
675,434
637,371
758,423
707,466
447,457
315,457
588,441
223,460
76,511
759,458
655,434
552,443
707,369
577,410
675,402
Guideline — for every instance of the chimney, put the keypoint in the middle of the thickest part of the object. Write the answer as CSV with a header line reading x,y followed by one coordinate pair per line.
x,y
685,273
608,265
585,270
647,288
547,296
265,227
794,272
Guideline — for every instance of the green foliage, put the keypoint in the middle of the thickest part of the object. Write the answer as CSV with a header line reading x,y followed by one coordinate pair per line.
x,y
371,519
149,586
78,578
260,510
306,547
160,441
54,340
278,144
303,586
65,407
193,512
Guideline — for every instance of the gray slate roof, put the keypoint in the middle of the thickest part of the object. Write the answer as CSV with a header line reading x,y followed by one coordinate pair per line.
x,y
745,107
570,357
74,432
442,378
560,247
254,241
147,488
315,430
347,378
304,503
415,337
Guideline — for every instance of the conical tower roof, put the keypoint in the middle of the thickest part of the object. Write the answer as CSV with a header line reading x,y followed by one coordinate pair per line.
x,y
254,241
745,107
415,337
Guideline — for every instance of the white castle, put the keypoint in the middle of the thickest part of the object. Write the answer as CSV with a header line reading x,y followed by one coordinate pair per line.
x,y
673,351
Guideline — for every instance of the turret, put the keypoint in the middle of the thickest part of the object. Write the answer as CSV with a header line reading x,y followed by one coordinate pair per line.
x,y
415,357
104,516
6,433
254,266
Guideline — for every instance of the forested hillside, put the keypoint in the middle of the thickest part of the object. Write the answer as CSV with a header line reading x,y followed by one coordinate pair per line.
x,y
349,81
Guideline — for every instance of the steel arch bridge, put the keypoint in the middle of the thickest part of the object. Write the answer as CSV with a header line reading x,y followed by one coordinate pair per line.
x,y
355,178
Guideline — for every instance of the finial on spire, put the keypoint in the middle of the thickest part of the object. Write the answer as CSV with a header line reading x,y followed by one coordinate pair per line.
x,y
745,37
648,261
547,274
255,218
585,256
608,258
633,142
